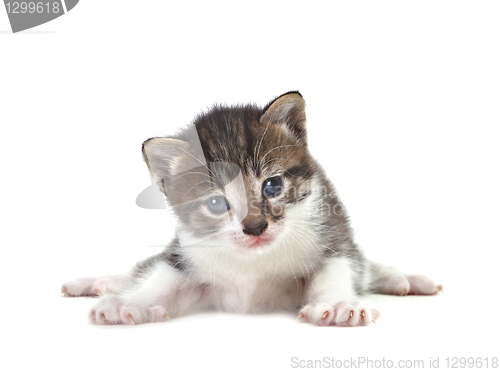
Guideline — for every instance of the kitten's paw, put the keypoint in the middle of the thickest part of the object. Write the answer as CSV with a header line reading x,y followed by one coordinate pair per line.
x,y
96,286
113,309
107,311
80,287
403,285
158,314
342,314
422,285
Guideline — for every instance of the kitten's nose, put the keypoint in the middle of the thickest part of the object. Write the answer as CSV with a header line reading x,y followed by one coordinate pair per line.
x,y
257,230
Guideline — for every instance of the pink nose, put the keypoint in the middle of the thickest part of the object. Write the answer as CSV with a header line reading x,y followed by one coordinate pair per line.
x,y
256,230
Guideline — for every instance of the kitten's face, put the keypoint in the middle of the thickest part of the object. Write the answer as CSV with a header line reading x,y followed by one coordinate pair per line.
x,y
232,177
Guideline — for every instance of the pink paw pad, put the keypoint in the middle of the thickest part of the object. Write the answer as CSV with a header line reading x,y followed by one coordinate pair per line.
x,y
342,314
112,309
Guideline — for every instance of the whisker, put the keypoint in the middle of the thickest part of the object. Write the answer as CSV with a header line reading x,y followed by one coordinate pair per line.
x,y
256,154
295,227
275,271
194,157
308,274
307,238
263,166
300,266
195,186
185,174
291,267
275,148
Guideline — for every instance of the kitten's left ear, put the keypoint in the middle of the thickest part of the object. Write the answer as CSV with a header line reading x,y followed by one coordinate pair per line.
x,y
161,155
288,109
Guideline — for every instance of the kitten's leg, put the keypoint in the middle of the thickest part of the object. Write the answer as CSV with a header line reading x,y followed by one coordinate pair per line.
x,y
161,293
331,299
96,286
391,281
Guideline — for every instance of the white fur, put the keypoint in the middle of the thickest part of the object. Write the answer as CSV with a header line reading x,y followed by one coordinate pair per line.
x,y
285,274
256,280
333,283
161,294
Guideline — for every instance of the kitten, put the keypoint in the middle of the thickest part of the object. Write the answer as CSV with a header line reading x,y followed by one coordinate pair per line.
x,y
260,229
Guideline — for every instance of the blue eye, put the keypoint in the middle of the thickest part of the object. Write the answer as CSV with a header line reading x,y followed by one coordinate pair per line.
x,y
218,204
272,187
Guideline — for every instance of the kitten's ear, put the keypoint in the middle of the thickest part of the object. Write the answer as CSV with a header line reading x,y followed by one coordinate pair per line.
x,y
161,156
288,109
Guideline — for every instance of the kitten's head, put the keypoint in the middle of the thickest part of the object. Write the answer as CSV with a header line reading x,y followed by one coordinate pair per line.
x,y
232,176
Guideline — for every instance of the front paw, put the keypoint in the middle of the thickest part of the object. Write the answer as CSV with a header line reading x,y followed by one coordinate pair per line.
x,y
342,314
113,309
80,287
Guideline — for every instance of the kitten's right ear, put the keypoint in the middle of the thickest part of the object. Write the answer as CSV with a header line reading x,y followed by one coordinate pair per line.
x,y
161,156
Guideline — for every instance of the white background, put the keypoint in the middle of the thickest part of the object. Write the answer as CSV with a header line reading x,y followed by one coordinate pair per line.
x,y
403,111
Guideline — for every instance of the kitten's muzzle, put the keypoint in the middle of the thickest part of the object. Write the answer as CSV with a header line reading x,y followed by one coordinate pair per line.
x,y
257,230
